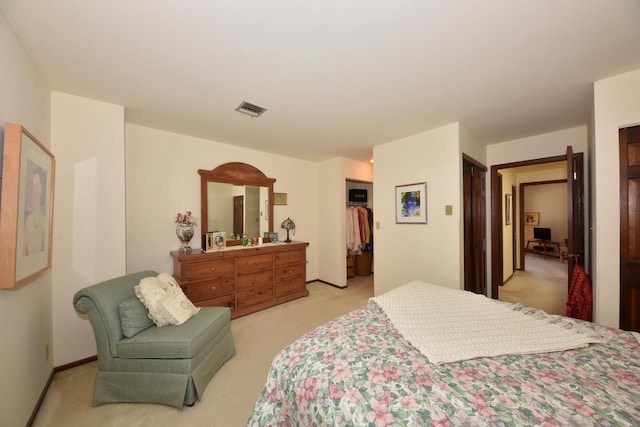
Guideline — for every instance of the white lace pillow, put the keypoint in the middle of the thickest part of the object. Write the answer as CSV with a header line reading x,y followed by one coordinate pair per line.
x,y
169,280
151,291
177,308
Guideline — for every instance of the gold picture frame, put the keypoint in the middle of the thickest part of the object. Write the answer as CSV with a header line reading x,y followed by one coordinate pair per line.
x,y
531,218
280,198
26,207
214,241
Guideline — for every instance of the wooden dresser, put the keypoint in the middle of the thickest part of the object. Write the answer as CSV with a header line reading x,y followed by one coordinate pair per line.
x,y
245,279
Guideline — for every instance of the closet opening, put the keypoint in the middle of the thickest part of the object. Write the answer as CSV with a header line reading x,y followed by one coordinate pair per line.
x,y
359,230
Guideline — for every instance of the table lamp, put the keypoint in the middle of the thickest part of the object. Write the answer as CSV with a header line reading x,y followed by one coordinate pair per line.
x,y
288,224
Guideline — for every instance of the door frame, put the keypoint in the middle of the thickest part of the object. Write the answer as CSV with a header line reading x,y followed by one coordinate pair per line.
x,y
496,216
523,199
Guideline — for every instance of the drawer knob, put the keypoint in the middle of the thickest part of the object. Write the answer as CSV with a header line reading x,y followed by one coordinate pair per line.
x,y
213,288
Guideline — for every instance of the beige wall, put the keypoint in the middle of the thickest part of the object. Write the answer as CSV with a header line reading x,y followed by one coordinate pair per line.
x,y
25,313
432,251
616,105
550,201
89,223
162,179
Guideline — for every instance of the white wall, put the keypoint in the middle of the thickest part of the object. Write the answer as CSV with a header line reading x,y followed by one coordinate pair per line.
x,y
25,312
616,105
89,215
162,179
332,176
430,252
472,147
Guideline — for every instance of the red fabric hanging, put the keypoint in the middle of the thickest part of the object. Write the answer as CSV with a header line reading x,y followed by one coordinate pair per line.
x,y
580,303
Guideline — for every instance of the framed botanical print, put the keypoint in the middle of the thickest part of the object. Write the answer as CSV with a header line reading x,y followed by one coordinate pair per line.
x,y
411,203
26,209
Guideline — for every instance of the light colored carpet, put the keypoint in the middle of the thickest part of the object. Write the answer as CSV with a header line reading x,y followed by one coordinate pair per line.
x,y
229,398
543,285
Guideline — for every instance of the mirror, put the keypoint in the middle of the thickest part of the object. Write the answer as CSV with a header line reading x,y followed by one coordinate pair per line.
x,y
236,198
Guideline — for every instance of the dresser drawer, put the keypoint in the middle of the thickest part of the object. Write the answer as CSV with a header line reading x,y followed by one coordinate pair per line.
x,y
224,301
290,272
254,262
253,280
254,296
290,257
210,269
201,291
290,287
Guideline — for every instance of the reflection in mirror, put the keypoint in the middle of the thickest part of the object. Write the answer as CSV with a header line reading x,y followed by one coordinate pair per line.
x,y
237,209
236,198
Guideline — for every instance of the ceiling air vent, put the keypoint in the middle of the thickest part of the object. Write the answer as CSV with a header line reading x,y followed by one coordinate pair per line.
x,y
250,109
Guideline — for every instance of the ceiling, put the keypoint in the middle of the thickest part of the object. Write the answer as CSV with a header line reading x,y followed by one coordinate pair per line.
x,y
336,77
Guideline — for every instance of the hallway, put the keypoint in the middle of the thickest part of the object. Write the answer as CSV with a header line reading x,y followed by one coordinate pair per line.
x,y
543,285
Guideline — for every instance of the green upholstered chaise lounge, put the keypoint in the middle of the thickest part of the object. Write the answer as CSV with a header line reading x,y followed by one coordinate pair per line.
x,y
169,365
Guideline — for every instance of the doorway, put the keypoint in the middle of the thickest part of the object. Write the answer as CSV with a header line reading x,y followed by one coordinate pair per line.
x,y
573,232
360,230
238,215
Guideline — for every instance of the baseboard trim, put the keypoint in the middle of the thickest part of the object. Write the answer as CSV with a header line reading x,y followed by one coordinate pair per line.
x,y
508,278
54,371
32,418
329,283
75,364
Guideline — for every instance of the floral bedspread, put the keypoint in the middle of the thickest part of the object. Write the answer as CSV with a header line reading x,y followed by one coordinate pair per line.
x,y
358,371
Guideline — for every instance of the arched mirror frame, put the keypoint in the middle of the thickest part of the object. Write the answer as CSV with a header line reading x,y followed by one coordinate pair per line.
x,y
237,173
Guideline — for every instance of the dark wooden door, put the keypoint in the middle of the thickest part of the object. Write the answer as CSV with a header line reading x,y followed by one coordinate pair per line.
x,y
629,235
474,199
238,215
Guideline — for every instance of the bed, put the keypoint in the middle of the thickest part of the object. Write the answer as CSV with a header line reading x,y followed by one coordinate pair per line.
x,y
359,369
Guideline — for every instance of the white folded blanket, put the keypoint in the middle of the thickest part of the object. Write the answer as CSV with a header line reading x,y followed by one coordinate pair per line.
x,y
448,325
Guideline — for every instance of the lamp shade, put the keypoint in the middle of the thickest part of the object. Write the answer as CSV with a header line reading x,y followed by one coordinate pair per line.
x,y
288,224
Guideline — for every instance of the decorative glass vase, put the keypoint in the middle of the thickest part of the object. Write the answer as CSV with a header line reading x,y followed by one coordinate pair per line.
x,y
185,234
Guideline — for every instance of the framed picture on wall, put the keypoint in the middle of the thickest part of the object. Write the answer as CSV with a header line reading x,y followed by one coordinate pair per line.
x,y
507,209
279,199
411,203
531,218
26,209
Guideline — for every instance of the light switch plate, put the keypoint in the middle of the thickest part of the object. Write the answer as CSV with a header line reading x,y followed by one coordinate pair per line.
x,y
448,210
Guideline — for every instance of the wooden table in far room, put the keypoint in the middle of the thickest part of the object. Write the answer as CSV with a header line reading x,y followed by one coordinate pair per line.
x,y
545,245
